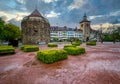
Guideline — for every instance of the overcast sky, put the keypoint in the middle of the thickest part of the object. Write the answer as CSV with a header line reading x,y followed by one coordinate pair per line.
x,y
63,12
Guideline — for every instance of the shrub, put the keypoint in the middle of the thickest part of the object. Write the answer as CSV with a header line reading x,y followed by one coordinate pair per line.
x,y
91,43
74,50
52,45
7,50
51,56
69,46
77,43
29,48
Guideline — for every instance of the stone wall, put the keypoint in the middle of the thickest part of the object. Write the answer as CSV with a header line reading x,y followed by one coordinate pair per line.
x,y
35,31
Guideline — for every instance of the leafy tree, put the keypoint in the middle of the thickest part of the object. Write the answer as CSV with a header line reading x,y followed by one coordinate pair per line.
x,y
9,31
2,26
106,37
55,39
12,32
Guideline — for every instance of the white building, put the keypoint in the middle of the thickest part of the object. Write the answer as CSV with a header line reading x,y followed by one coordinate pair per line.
x,y
64,33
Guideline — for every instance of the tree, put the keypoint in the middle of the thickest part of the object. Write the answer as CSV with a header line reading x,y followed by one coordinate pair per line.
x,y
2,26
9,31
12,32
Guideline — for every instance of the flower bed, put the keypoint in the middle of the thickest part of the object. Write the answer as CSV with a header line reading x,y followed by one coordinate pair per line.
x,y
7,50
29,48
51,56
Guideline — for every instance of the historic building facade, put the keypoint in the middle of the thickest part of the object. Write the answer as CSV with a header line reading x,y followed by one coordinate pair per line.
x,y
85,26
64,33
35,29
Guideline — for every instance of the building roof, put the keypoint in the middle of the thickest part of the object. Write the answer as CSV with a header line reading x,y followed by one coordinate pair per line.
x,y
56,28
35,13
84,19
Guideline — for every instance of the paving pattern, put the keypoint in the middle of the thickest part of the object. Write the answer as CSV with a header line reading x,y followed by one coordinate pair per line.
x,y
99,65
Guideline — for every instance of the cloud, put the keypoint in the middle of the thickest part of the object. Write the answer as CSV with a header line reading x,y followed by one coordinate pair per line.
x,y
49,1
21,1
8,16
76,4
14,21
94,17
64,12
52,14
116,13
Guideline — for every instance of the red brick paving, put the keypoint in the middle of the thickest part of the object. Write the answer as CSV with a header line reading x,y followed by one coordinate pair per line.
x,y
100,65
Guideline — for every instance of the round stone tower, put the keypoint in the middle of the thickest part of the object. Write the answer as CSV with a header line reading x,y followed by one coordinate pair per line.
x,y
35,29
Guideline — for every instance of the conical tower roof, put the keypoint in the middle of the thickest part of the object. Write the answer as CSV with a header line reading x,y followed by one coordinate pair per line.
x,y
84,19
35,13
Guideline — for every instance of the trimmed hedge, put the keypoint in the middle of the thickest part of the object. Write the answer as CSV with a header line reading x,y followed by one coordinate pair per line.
x,y
69,46
29,48
74,50
77,43
7,50
51,56
91,43
52,45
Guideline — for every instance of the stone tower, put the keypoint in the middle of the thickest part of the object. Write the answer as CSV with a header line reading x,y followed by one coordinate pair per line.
x,y
35,29
85,26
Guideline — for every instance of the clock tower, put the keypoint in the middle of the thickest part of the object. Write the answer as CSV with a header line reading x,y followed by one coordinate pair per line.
x,y
85,27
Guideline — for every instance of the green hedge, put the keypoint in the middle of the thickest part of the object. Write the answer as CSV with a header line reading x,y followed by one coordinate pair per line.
x,y
91,43
7,50
29,48
74,50
51,56
77,43
69,46
52,45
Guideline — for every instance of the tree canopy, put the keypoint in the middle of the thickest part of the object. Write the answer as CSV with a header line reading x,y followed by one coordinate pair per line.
x,y
2,26
12,32
9,31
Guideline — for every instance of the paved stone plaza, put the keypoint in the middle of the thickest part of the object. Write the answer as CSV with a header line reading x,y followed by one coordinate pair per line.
x,y
100,65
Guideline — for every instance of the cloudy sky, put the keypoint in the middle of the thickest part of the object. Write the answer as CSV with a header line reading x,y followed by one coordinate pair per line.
x,y
63,12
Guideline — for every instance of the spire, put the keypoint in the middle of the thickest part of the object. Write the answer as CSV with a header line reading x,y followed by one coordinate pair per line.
x,y
84,18
85,14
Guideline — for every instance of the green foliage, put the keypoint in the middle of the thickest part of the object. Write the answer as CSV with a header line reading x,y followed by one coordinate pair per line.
x,y
51,56
74,50
69,46
29,48
115,37
2,26
12,32
7,50
9,31
52,45
91,43
106,38
77,43
55,39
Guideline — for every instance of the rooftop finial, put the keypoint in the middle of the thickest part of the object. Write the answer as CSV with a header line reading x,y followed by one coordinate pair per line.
x,y
85,14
